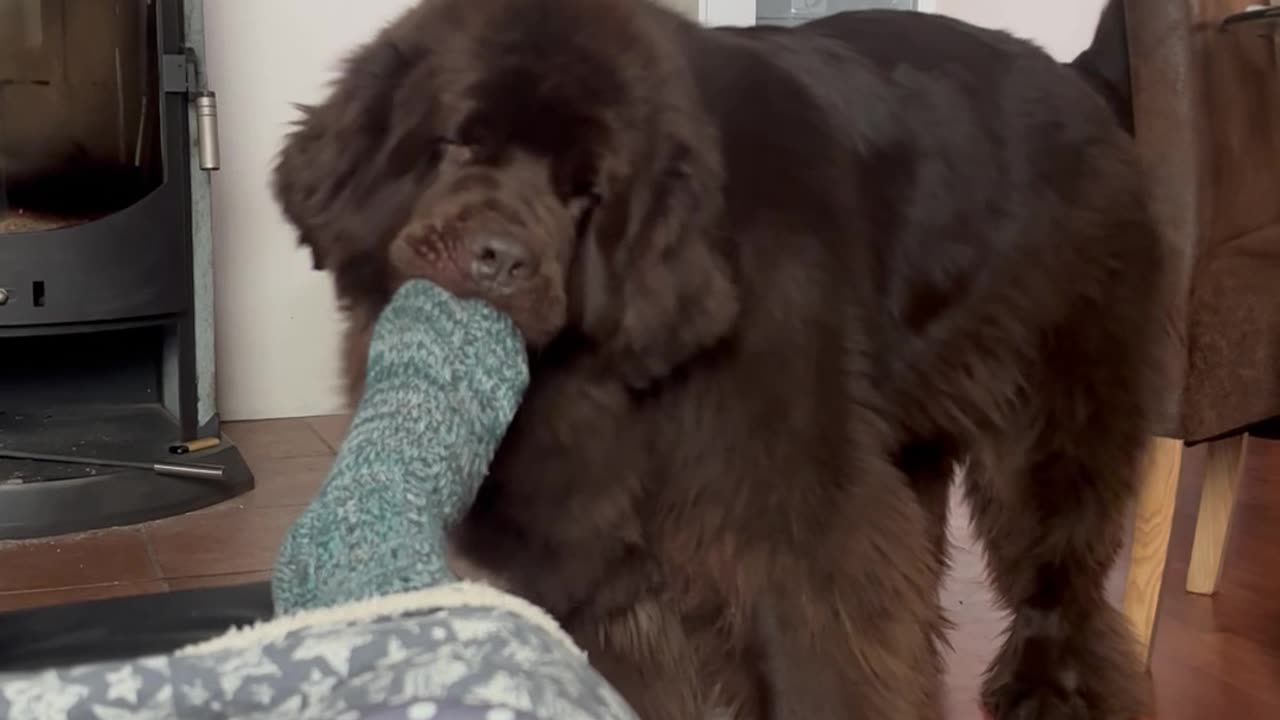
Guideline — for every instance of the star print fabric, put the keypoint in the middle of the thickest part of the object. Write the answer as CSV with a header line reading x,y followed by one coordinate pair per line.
x,y
477,660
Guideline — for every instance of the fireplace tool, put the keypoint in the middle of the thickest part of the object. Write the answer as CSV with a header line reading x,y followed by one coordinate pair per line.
x,y
194,471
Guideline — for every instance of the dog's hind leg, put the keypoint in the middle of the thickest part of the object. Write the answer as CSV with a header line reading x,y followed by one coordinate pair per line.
x,y
1049,498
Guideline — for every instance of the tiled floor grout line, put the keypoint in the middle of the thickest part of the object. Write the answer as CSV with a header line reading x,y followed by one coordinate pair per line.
x,y
151,552
90,586
317,433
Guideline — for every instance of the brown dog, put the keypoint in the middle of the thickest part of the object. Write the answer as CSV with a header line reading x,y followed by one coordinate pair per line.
x,y
775,283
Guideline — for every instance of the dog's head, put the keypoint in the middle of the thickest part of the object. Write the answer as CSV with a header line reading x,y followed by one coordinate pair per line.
x,y
548,157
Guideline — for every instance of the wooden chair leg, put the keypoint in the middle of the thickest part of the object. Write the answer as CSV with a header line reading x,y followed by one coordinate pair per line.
x,y
1213,523
1153,521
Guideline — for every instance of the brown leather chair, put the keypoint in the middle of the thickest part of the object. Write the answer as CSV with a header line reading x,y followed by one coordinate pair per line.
x,y
1206,115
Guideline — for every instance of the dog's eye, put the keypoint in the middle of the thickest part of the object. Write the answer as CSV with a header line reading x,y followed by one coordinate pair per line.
x,y
483,140
573,180
581,195
584,187
589,195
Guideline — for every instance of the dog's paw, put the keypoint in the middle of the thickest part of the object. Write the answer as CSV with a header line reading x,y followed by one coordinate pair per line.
x,y
1051,670
1039,703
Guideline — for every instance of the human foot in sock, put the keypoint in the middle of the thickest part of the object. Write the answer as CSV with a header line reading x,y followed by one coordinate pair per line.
x,y
444,378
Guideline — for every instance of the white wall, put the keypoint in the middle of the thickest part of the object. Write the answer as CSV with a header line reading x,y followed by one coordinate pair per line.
x,y
277,327
1062,27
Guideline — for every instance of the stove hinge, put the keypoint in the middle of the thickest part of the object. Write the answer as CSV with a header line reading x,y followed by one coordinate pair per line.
x,y
181,73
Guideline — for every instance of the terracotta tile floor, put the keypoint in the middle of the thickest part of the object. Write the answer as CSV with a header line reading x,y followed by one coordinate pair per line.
x,y
1216,657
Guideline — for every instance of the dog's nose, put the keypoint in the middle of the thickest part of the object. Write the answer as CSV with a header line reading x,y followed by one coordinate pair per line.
x,y
497,259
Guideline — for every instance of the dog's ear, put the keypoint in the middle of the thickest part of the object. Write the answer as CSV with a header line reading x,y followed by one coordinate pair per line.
x,y
332,175
649,284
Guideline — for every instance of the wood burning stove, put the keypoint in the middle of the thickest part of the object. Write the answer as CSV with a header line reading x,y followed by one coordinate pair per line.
x,y
105,262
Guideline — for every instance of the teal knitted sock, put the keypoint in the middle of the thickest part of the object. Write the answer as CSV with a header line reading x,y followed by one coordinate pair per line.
x,y
445,377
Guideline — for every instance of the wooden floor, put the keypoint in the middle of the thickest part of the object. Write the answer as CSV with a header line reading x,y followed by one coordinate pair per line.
x,y
1214,657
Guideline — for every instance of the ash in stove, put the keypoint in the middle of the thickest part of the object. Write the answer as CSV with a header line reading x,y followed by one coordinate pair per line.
x,y
21,221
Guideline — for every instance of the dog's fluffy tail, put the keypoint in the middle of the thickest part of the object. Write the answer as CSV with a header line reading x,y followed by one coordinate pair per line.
x,y
1105,63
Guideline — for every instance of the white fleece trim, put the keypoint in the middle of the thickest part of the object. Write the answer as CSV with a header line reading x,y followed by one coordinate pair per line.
x,y
453,595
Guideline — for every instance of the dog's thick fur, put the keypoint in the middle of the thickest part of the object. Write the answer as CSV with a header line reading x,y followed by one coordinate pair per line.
x,y
824,266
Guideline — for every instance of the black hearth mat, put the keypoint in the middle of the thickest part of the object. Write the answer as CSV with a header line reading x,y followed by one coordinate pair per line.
x,y
135,432
123,628
39,499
